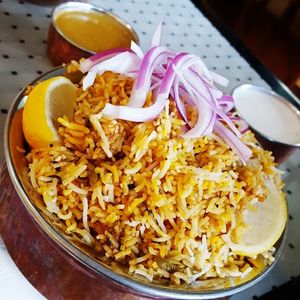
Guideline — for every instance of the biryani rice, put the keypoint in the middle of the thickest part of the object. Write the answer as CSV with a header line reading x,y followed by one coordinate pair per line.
x,y
147,199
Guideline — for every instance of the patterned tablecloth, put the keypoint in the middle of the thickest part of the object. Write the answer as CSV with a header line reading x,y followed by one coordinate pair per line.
x,y
23,39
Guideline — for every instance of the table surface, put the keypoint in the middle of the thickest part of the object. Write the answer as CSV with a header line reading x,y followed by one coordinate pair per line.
x,y
23,39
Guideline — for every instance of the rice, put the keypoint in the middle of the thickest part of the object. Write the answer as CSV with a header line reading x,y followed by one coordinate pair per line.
x,y
145,198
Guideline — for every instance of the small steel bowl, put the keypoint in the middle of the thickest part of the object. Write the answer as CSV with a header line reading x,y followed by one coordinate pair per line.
x,y
62,49
49,258
280,150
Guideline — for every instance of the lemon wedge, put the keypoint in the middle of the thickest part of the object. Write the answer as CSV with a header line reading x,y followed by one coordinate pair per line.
x,y
48,100
264,224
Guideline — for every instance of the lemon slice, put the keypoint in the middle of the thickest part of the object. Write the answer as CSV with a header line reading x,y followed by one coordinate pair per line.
x,y
47,101
264,224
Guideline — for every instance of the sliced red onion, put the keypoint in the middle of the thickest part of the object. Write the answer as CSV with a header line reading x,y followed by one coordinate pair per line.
x,y
88,80
187,72
200,90
193,82
156,39
153,58
140,114
226,107
95,59
135,114
169,76
201,69
239,148
187,97
208,97
233,117
217,94
155,85
136,49
125,63
195,79
217,78
225,118
227,98
175,92
205,93
243,126
206,116
205,121
226,102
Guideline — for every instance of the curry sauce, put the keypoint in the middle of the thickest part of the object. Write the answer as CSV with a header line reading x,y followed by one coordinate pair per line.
x,y
93,30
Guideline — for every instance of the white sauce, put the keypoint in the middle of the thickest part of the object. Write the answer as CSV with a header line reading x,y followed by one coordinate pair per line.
x,y
268,115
